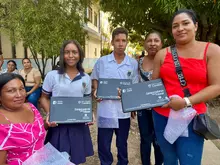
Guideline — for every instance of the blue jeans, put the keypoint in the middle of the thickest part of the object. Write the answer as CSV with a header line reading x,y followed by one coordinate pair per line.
x,y
33,97
186,150
146,128
105,140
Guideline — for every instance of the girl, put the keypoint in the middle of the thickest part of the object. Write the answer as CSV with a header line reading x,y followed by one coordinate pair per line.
x,y
68,80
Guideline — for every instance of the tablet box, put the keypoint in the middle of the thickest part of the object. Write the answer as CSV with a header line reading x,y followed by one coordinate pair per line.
x,y
107,88
144,95
70,109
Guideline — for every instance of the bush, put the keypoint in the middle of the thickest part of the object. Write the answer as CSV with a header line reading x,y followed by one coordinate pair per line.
x,y
105,51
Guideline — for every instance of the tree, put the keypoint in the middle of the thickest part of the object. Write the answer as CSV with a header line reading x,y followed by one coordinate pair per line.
x,y
44,25
144,15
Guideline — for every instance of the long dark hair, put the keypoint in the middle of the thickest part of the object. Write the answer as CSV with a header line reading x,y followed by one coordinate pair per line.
x,y
26,59
81,56
154,32
13,63
189,12
6,77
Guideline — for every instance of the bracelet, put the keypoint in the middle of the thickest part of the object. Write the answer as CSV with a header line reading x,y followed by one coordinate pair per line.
x,y
188,103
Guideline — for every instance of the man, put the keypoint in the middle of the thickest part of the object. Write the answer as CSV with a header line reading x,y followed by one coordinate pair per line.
x,y
116,65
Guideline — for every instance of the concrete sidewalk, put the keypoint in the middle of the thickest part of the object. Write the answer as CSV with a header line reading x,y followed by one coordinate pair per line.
x,y
211,154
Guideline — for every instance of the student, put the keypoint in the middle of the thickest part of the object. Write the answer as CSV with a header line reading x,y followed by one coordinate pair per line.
x,y
116,65
69,80
200,62
153,43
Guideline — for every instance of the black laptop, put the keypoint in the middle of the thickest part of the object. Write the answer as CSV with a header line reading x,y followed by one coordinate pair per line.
x,y
107,88
144,95
70,109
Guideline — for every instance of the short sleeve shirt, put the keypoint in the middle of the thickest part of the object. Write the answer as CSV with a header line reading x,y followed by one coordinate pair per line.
x,y
107,67
61,85
30,78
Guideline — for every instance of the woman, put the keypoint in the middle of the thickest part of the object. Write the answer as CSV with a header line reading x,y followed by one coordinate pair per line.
x,y
200,62
69,80
152,44
32,79
11,67
21,125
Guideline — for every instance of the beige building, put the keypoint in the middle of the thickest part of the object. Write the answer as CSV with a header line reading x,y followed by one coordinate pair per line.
x,y
93,41
97,21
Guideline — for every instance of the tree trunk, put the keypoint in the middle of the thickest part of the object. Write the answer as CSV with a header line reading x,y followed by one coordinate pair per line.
x,y
1,45
212,33
13,47
217,37
25,52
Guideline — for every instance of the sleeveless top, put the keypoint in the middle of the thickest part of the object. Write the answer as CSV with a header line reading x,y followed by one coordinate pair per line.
x,y
21,140
195,73
144,76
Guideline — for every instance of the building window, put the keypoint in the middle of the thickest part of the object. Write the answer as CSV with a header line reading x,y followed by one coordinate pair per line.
x,y
95,52
95,19
90,14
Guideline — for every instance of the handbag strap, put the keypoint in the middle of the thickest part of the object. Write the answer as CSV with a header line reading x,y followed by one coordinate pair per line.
x,y
179,71
140,66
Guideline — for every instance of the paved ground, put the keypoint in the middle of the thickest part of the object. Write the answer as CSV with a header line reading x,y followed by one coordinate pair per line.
x,y
211,155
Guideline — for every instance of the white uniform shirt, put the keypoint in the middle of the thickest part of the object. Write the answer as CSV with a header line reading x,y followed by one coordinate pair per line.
x,y
62,85
107,67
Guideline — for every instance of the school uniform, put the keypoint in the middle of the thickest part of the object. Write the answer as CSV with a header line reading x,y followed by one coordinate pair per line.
x,y
72,138
110,111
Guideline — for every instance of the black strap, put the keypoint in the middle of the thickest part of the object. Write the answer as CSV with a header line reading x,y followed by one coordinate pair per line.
x,y
179,71
143,76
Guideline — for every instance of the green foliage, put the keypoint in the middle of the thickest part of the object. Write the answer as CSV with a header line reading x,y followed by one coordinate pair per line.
x,y
105,51
43,25
142,16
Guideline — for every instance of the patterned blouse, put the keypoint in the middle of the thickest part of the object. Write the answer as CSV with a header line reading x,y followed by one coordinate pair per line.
x,y
144,76
21,140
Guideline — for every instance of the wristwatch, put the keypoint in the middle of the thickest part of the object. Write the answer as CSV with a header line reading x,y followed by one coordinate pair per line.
x,y
188,103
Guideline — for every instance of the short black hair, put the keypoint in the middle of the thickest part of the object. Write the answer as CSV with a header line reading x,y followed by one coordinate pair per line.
x,y
119,30
26,59
156,32
6,77
79,65
189,12
13,63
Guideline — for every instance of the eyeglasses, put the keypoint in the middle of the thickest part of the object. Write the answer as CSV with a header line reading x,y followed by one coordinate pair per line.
x,y
25,78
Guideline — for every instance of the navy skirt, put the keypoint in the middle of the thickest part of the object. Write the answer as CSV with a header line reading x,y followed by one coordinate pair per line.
x,y
74,139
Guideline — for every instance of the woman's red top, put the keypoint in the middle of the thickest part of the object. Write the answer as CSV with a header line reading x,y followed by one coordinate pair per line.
x,y
195,73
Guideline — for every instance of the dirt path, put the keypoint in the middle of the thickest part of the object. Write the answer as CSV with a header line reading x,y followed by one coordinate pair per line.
x,y
214,110
133,145
134,139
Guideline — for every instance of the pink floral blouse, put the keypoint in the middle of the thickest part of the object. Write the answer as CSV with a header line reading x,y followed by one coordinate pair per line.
x,y
22,140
